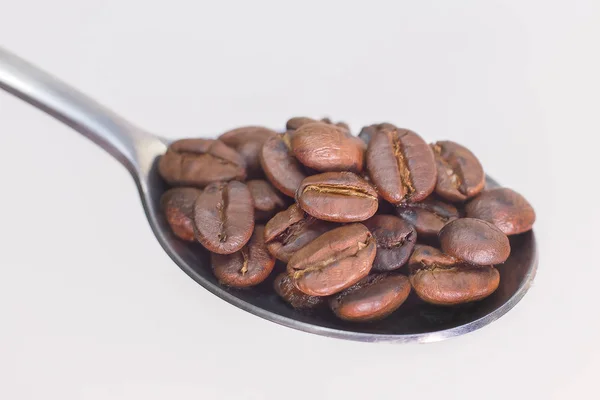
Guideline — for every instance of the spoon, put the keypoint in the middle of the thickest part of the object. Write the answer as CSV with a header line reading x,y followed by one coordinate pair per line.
x,y
139,150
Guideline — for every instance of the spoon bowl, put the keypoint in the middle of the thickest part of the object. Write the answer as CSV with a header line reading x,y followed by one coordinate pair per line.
x,y
139,152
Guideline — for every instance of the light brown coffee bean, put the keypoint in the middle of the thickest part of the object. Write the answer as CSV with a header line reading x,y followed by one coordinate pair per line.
x,y
441,279
178,206
460,174
334,261
505,208
430,256
267,200
337,197
324,148
297,122
199,162
290,230
248,142
459,284
224,217
474,241
401,165
280,166
371,299
247,267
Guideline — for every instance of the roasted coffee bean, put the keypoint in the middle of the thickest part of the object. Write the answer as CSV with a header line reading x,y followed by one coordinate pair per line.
x,y
440,279
368,132
290,230
371,299
395,241
267,200
388,178
247,267
337,197
460,174
463,283
334,261
324,147
297,122
224,217
198,162
429,256
401,165
505,208
427,216
280,166
248,142
475,241
285,288
384,207
342,125
178,206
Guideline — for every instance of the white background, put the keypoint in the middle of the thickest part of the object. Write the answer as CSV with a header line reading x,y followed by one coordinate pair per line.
x,y
92,308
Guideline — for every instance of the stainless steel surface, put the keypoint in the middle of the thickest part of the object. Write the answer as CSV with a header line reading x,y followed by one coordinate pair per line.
x,y
138,150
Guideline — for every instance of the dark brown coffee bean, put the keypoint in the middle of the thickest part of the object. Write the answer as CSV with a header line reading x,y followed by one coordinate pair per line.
x,y
267,200
401,165
334,261
280,166
290,230
337,197
458,284
372,299
297,122
224,217
368,132
248,142
395,241
198,162
178,206
247,267
325,148
460,174
427,216
285,288
474,241
505,208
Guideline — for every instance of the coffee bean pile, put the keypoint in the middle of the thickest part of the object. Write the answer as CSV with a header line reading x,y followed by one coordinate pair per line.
x,y
344,213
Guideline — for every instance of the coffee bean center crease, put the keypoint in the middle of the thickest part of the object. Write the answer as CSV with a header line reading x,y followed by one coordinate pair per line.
x,y
339,190
405,177
348,252
453,173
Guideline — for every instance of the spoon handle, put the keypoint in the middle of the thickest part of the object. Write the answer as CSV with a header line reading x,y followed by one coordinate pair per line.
x,y
38,88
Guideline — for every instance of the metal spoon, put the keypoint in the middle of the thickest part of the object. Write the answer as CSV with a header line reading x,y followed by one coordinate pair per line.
x,y
139,150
